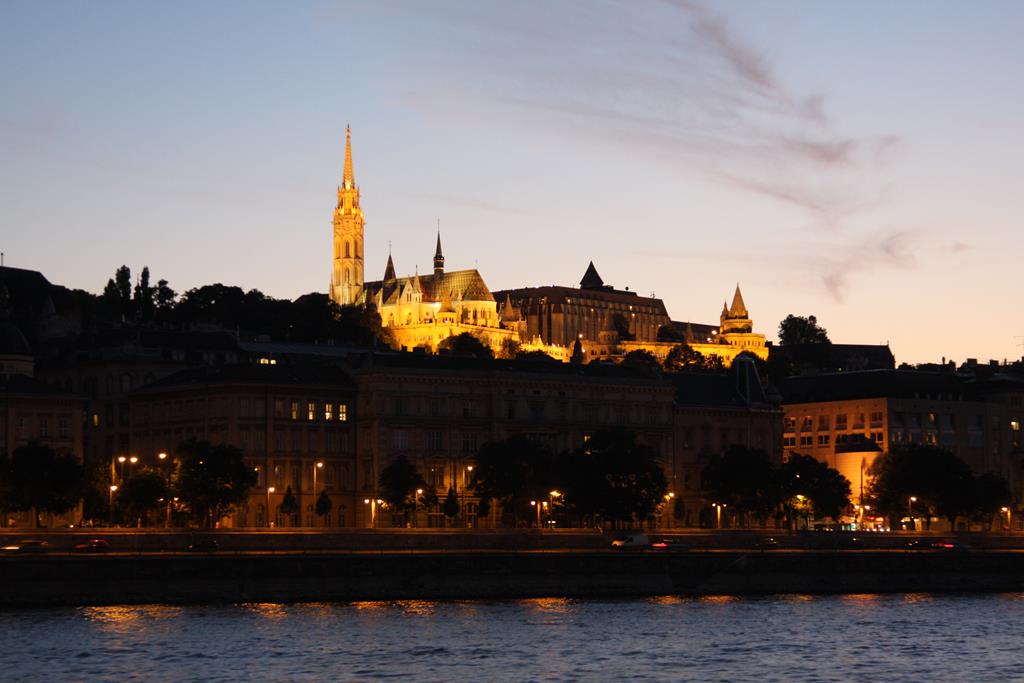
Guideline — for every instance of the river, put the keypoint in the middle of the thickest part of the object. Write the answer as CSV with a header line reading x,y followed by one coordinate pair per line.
x,y
889,638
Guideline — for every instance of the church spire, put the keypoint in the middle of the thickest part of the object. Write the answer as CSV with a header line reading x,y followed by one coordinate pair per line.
x,y
389,270
348,179
738,308
591,280
438,255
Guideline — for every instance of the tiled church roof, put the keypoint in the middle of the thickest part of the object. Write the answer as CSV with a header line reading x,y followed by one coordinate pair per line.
x,y
467,285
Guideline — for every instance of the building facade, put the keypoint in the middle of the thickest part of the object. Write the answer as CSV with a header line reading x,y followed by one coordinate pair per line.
x,y
293,423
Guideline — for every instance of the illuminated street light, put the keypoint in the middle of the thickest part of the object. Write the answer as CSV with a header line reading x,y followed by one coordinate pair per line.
x,y
316,466
270,489
110,522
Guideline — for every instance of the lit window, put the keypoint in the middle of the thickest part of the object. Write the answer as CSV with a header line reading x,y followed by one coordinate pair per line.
x,y
311,411
1015,425
342,412
295,410
328,411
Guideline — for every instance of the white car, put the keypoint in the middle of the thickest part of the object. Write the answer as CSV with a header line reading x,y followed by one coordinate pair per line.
x,y
636,541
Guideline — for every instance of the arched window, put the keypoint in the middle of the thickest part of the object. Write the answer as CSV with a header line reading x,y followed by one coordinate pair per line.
x,y
348,249
348,275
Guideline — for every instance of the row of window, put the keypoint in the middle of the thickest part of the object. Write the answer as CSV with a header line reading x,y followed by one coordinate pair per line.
x,y
311,411
842,422
825,440
41,427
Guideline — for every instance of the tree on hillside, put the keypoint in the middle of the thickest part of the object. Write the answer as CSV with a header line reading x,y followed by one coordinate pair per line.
x,y
164,296
990,493
465,344
796,329
123,281
39,479
744,479
143,300
398,483
211,479
684,358
643,360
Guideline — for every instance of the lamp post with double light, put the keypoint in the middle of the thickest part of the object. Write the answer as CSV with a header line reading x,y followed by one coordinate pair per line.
x,y
373,503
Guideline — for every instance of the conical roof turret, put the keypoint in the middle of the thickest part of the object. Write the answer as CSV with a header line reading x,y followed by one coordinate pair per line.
x,y
738,308
389,270
591,280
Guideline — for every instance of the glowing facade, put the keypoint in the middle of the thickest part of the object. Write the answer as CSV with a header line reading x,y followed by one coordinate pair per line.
x,y
347,272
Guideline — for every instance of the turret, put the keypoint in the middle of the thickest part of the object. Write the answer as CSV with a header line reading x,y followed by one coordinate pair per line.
x,y
438,257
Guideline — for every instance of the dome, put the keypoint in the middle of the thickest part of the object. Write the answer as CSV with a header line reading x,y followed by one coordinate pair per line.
x,y
12,341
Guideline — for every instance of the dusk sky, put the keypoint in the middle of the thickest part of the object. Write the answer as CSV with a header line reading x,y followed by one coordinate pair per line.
x,y
858,161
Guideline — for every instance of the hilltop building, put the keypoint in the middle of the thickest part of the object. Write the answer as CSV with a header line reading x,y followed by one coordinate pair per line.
x,y
421,311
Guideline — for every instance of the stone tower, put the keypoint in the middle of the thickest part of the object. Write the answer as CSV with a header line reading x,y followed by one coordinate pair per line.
x,y
347,272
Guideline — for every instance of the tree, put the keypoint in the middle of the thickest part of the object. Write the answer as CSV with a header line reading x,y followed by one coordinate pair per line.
x,y
535,355
744,479
141,494
144,296
466,344
123,282
796,329
810,486
211,480
398,482
643,360
451,504
940,481
684,358
289,506
39,479
513,472
613,476
323,505
165,296
990,493
509,348
621,326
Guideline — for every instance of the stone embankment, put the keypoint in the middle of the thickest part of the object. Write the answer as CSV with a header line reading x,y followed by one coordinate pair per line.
x,y
62,579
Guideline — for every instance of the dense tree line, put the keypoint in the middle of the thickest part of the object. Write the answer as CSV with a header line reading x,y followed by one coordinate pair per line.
x,y
941,484
752,489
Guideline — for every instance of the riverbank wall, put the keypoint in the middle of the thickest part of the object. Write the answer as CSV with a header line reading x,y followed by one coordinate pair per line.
x,y
311,577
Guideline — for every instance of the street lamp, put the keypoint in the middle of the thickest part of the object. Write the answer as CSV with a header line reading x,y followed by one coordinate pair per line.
x,y
318,465
910,508
373,503
110,522
415,502
270,489
131,461
533,503
1006,511
718,514
120,470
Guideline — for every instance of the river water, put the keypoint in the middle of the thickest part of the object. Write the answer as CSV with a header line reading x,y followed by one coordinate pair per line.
x,y
838,638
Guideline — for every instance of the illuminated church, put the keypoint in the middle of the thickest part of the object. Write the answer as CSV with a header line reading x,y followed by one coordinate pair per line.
x,y
418,310
424,310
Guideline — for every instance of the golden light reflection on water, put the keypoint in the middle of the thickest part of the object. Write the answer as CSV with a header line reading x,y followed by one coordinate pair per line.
x,y
914,598
860,597
719,598
668,600
549,605
125,617
267,610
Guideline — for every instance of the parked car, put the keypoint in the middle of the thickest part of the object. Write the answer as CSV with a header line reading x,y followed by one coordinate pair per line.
x,y
634,542
94,545
29,545
669,545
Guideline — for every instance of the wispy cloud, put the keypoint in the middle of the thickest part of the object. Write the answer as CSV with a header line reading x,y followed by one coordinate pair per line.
x,y
676,81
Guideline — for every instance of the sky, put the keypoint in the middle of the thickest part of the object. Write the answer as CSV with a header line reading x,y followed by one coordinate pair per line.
x,y
858,161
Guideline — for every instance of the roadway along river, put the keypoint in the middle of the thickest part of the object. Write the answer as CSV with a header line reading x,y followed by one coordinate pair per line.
x,y
914,637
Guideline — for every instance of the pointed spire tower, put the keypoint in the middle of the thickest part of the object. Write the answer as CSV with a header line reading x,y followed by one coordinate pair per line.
x,y
438,255
736,318
389,269
347,271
